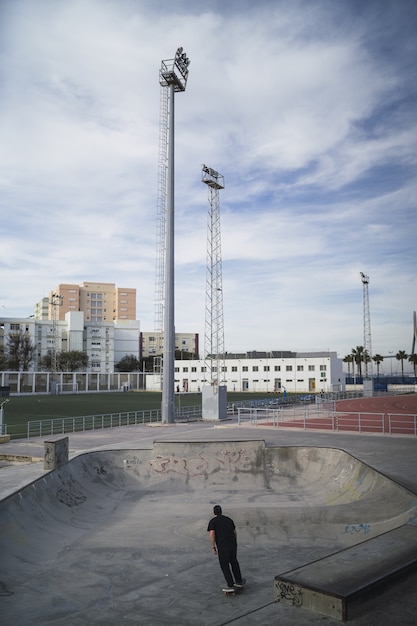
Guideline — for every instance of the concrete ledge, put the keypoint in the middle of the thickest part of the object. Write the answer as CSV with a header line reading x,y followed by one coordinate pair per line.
x,y
4,438
338,585
22,458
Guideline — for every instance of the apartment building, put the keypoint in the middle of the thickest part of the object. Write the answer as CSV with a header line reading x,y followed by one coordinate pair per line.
x,y
152,344
105,343
100,302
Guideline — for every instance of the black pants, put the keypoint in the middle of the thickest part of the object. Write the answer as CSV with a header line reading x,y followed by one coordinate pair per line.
x,y
227,560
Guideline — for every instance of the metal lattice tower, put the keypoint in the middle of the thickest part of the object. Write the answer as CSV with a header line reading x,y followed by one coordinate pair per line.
x,y
367,343
55,302
214,356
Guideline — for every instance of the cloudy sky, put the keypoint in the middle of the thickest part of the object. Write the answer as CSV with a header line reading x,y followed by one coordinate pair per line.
x,y
308,109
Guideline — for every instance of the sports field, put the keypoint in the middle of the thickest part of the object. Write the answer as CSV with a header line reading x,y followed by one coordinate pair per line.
x,y
22,409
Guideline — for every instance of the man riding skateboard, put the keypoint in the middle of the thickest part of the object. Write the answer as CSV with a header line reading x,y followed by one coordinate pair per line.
x,y
223,542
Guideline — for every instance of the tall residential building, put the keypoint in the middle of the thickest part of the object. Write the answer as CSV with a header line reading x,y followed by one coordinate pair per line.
x,y
100,302
152,344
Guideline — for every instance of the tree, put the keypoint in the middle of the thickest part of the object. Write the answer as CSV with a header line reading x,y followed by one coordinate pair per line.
x,y
129,363
349,360
66,361
377,358
72,361
20,351
358,355
413,359
401,356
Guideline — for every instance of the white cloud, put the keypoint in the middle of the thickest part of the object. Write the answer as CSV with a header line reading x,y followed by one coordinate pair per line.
x,y
299,106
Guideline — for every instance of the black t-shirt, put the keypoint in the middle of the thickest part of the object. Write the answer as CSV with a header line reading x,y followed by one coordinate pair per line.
x,y
224,529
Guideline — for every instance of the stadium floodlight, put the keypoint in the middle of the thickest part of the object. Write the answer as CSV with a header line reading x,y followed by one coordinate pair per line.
x,y
173,75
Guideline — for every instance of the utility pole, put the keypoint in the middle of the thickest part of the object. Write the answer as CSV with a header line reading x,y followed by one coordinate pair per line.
x,y
367,344
173,76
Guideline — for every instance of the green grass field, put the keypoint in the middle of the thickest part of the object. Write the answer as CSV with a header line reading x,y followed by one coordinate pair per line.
x,y
22,409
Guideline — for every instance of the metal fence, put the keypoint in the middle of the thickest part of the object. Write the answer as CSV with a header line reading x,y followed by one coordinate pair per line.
x,y
325,418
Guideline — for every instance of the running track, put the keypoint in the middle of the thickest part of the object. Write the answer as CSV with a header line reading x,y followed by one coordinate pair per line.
x,y
391,415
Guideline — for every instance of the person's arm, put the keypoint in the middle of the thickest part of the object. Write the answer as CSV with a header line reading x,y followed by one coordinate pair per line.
x,y
213,541
235,533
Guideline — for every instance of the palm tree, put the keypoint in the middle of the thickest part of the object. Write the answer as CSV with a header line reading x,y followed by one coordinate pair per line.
x,y
358,355
348,359
401,356
413,359
377,358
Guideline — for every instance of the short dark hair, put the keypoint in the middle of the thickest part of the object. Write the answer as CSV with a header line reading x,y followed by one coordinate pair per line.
x,y
217,510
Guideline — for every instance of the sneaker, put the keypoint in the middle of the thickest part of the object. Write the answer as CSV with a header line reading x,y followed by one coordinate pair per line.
x,y
228,589
240,585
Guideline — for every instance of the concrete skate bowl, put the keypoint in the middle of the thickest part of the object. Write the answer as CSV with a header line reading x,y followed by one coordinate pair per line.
x,y
121,533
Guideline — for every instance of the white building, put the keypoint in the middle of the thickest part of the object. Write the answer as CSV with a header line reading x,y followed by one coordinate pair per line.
x,y
105,343
294,372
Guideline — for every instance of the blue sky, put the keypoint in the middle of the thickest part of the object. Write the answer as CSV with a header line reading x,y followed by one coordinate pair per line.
x,y
308,109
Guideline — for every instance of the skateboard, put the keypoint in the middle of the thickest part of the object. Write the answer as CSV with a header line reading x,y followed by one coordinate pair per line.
x,y
235,590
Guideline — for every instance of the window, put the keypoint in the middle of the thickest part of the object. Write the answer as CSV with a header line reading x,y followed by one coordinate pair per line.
x,y
185,369
311,368
14,326
288,368
277,368
176,369
266,368
300,368
255,368
323,368
245,368
204,369
234,368
151,338
193,369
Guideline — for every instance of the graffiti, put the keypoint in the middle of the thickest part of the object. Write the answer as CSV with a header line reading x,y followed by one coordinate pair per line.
x,y
412,520
131,461
353,529
100,470
289,593
203,464
66,496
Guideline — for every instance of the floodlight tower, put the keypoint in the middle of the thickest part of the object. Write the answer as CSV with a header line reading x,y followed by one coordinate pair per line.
x,y
55,302
214,395
367,344
214,324
173,76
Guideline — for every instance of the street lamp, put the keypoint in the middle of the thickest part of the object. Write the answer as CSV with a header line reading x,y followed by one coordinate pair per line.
x,y
173,75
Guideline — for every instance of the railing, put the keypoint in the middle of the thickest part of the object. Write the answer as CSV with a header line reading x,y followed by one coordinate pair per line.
x,y
316,418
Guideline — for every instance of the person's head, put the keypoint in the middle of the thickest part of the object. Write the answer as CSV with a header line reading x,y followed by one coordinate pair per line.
x,y
217,510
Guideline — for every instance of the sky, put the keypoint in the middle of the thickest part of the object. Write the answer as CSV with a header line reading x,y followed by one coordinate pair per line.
x,y
308,110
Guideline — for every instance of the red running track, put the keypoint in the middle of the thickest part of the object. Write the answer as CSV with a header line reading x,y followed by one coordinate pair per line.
x,y
393,415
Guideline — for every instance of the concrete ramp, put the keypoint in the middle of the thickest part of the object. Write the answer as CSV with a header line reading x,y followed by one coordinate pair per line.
x,y
340,584
101,536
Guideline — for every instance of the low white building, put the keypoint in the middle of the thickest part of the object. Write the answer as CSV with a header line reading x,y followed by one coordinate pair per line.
x,y
300,372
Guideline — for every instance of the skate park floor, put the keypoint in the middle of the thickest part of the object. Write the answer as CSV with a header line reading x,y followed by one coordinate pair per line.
x,y
142,556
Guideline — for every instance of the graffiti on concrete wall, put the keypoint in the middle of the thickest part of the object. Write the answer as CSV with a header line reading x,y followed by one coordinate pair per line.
x,y
288,593
354,529
69,494
203,464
